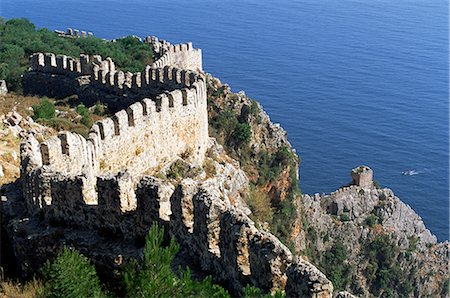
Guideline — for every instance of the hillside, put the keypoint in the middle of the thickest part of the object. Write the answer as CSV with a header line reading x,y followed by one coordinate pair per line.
x,y
207,164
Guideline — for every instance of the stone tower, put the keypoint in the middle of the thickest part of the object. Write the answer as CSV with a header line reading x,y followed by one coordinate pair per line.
x,y
362,176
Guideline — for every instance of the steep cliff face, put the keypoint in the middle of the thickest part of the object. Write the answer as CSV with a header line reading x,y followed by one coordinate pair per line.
x,y
228,113
203,208
358,238
369,242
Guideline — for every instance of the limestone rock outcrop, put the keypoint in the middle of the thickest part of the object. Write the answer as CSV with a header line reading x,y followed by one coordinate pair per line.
x,y
209,223
354,216
3,87
308,281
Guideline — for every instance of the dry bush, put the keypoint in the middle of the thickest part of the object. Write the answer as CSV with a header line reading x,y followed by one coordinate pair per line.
x,y
31,289
209,167
260,205
20,102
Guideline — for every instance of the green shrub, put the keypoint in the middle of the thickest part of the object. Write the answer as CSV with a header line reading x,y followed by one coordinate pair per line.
x,y
11,64
283,218
260,205
413,240
86,118
60,124
45,110
154,276
335,266
224,123
71,275
371,220
254,111
345,217
242,133
383,272
446,289
270,166
99,109
178,169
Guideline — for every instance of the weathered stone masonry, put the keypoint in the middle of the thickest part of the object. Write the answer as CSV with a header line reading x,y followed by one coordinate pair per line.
x,y
97,79
101,182
146,135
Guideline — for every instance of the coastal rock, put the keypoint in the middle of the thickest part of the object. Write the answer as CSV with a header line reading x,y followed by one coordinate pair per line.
x,y
266,138
305,280
217,235
354,216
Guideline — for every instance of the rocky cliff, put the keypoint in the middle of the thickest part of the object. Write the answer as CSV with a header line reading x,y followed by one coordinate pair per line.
x,y
203,208
362,238
372,244
365,239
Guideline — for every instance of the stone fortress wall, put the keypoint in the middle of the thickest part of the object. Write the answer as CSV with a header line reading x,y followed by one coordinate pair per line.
x,y
181,55
96,79
146,135
73,33
100,182
103,73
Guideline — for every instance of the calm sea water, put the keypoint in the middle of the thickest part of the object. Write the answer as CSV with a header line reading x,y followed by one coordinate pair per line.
x,y
353,82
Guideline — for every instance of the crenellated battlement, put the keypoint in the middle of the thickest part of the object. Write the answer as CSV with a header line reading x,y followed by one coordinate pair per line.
x,y
102,72
161,115
140,138
183,55
220,237
60,64
73,33
103,181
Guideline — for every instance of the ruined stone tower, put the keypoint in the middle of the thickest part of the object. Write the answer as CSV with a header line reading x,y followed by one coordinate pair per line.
x,y
362,176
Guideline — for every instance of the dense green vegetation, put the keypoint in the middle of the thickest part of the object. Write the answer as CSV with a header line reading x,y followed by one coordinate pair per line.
x,y
45,110
86,118
72,275
383,272
19,39
334,264
270,167
45,113
344,217
372,220
233,129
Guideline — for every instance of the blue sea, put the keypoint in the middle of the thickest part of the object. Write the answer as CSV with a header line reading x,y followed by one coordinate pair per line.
x,y
352,82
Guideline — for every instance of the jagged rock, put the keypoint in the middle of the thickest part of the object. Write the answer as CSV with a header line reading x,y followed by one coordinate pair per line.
x,y
13,118
3,87
218,236
266,137
344,294
355,215
305,280
2,174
